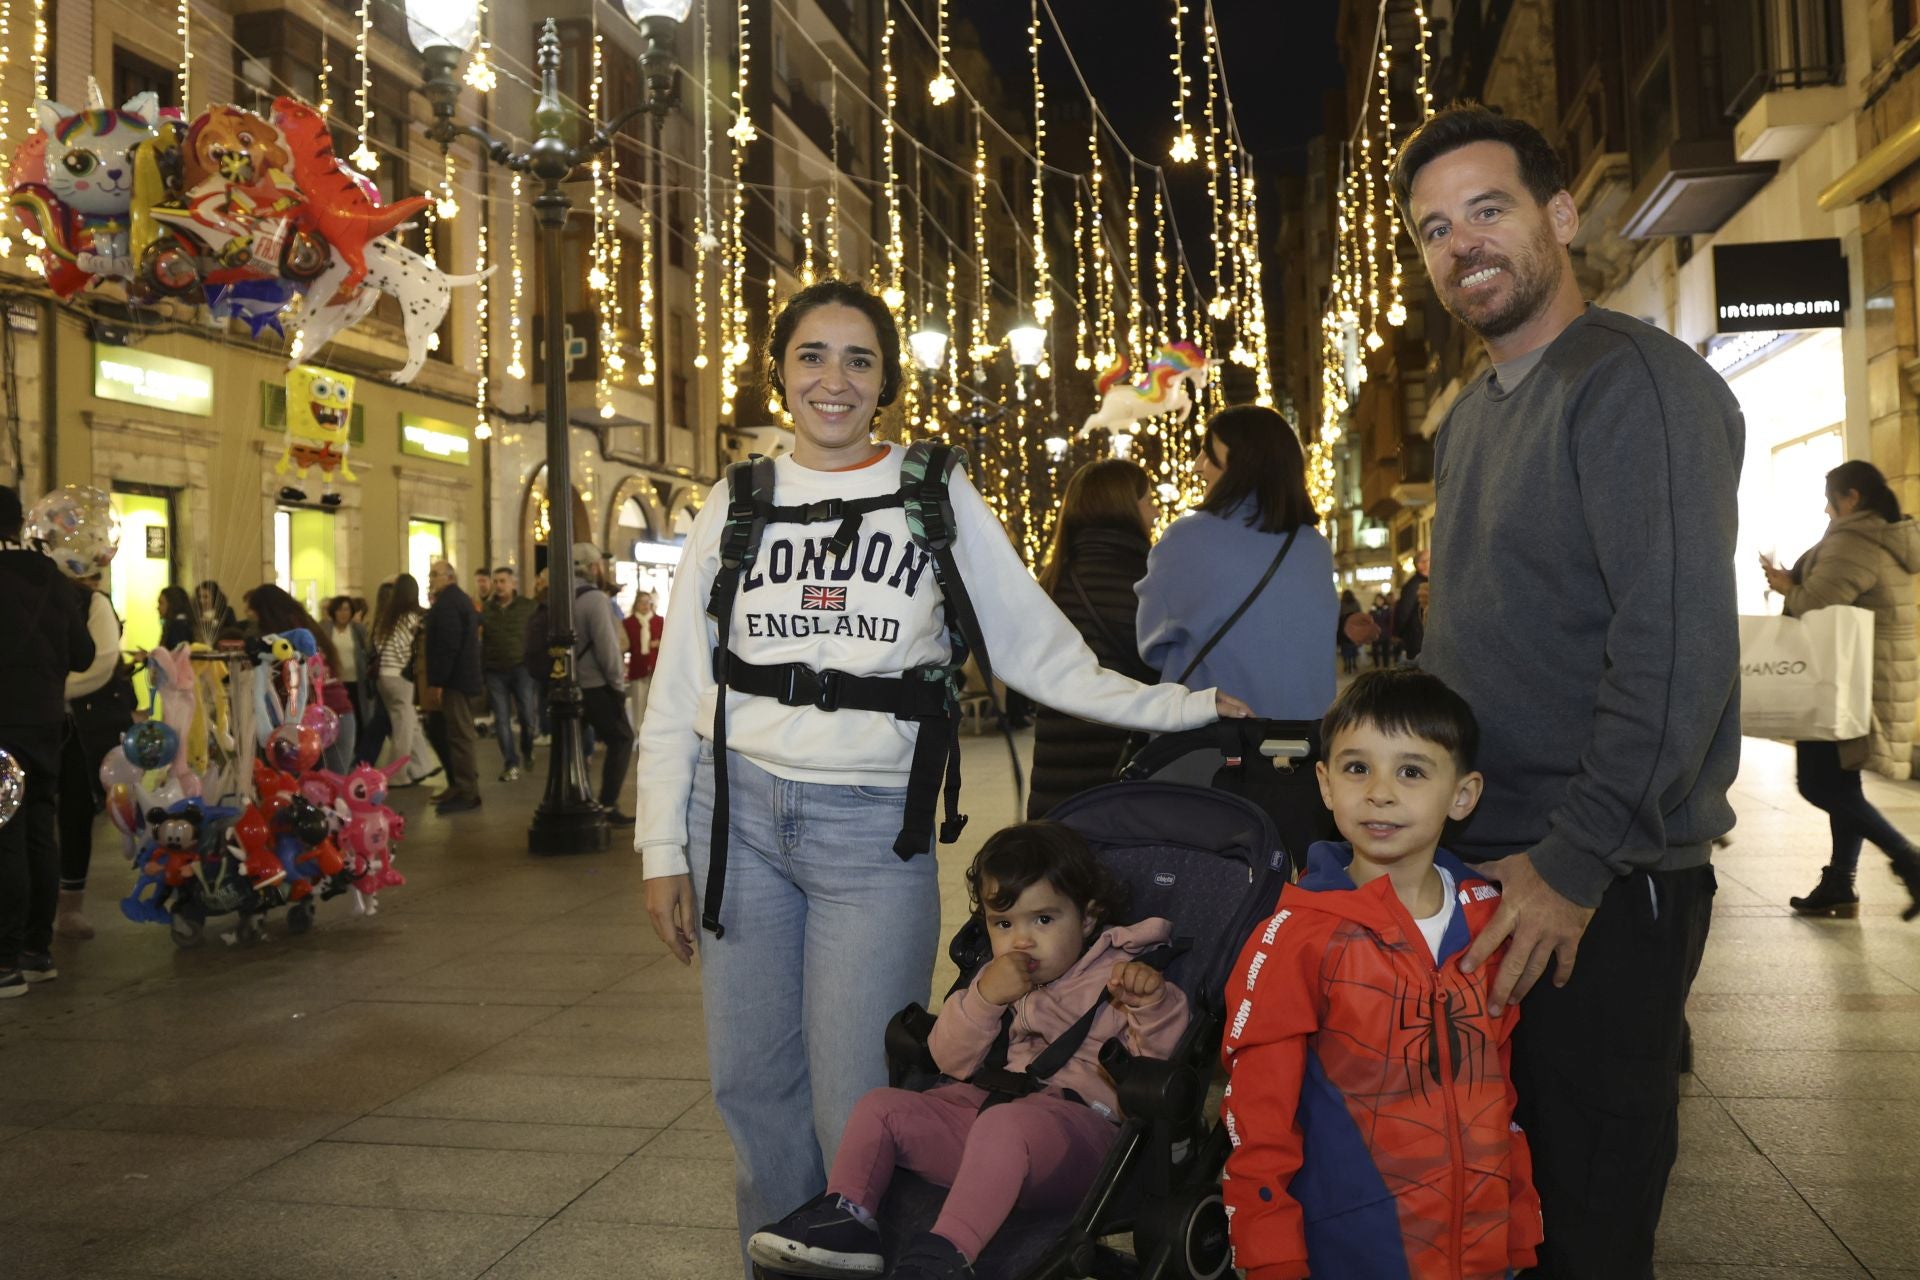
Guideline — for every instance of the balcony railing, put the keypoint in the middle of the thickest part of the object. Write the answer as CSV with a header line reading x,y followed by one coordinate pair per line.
x,y
1779,44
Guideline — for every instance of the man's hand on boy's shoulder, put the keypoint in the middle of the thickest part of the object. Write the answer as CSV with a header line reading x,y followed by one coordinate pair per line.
x,y
1136,985
1544,927
1006,978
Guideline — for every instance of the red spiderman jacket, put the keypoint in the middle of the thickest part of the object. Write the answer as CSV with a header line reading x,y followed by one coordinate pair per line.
x,y
1368,1100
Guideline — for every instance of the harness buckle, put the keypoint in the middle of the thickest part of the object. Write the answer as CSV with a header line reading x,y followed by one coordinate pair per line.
x,y
823,511
806,687
828,697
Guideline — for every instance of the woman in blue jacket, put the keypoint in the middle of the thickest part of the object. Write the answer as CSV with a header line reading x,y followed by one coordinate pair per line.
x,y
1252,542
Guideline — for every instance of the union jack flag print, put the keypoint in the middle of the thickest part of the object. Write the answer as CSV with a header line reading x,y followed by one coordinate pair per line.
x,y
826,599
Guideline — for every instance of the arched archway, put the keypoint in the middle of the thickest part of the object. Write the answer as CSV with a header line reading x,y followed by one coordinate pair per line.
x,y
535,524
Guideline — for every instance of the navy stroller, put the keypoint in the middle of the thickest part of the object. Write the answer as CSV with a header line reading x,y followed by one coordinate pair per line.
x,y
1213,864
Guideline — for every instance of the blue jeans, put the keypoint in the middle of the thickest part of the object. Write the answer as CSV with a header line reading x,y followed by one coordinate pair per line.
x,y
1851,817
506,690
828,935
339,757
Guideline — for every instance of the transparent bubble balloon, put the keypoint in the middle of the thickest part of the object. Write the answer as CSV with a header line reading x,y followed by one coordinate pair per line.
x,y
324,721
77,526
13,786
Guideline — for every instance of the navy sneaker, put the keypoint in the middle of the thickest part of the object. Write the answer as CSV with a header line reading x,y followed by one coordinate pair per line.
x,y
37,966
12,984
820,1238
931,1257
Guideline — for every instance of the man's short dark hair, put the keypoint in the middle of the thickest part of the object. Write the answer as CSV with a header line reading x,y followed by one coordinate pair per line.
x,y
1462,125
1409,701
11,516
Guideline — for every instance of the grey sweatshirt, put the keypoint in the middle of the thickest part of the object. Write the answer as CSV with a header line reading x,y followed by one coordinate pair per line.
x,y
599,660
1583,603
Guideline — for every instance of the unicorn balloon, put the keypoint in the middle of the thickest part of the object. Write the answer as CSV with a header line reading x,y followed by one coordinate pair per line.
x,y
1170,378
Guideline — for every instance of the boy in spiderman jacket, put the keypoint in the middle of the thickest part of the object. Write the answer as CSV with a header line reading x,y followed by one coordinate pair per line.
x,y
1368,1100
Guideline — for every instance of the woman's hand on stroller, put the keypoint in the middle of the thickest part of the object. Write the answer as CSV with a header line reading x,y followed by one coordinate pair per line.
x,y
1007,977
1135,985
1230,707
670,905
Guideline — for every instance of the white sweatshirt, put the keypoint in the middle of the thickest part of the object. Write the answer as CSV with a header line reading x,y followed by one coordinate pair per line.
x,y
875,612
104,628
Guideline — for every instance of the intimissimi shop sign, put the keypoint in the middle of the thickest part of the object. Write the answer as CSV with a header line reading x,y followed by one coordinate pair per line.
x,y
1784,284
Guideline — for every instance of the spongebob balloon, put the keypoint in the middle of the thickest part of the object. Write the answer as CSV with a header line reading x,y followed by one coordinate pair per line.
x,y
319,409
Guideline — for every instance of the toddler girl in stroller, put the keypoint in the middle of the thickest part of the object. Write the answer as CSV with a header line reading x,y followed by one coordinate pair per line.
x,y
1026,1115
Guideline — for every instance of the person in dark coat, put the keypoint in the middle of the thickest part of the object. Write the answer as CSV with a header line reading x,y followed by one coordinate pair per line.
x,y
1099,552
1410,613
453,679
176,618
46,639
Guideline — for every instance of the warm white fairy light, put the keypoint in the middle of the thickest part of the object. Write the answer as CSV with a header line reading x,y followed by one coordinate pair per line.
x,y
953,328
643,325
941,87
739,350
1219,306
480,73
516,339
983,346
806,242
183,27
833,187
323,87
446,207
895,293
1082,273
482,425
1184,150
1042,278
6,122
363,156
600,278
703,237
1163,312
1134,301
742,131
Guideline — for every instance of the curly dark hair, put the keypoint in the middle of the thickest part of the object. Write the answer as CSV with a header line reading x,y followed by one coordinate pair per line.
x,y
843,293
1017,857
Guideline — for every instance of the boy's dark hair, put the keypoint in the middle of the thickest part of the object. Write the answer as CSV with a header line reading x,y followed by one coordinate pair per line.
x,y
843,293
1463,124
1022,855
1406,700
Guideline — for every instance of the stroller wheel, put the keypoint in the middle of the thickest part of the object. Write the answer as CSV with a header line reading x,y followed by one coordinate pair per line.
x,y
1189,1234
187,933
299,918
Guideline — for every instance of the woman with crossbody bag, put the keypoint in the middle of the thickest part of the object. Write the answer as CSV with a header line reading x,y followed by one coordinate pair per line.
x,y
1239,592
1098,553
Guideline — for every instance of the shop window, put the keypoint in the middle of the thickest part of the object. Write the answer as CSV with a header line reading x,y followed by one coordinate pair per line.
x,y
143,566
426,542
134,75
303,557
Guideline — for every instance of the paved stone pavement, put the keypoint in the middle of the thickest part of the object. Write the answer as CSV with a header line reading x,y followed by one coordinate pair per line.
x,y
502,1075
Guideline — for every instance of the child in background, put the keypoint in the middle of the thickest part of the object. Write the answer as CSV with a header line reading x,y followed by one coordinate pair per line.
x,y
1368,1100
1045,902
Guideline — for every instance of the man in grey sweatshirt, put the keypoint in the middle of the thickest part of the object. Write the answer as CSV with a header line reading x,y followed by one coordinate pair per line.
x,y
602,672
1583,603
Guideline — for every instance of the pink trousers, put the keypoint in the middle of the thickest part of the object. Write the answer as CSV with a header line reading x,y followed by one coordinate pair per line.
x,y
1036,1152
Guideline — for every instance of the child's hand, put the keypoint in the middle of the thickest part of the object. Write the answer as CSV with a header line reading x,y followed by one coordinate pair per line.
x,y
1135,985
1007,977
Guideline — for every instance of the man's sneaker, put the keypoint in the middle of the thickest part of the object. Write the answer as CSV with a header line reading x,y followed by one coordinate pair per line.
x,y
14,983
615,818
931,1257
510,774
822,1237
457,804
544,740
37,966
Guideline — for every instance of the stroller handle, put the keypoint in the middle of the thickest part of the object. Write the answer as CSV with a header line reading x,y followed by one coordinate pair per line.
x,y
1286,748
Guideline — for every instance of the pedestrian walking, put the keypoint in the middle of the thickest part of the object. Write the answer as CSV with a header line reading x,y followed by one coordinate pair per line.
x,y
643,627
453,679
1867,559
46,639
1410,611
510,685
397,632
1584,607
100,705
601,670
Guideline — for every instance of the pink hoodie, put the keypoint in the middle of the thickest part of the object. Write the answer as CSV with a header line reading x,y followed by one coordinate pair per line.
x,y
968,1022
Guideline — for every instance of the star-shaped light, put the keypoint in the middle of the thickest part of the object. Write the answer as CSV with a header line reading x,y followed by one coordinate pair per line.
x,y
743,131
1184,150
941,89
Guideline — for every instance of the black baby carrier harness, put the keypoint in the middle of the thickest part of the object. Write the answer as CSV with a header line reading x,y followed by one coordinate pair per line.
x,y
929,695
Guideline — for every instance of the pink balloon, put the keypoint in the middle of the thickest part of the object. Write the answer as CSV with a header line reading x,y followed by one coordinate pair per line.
x,y
116,769
293,748
322,720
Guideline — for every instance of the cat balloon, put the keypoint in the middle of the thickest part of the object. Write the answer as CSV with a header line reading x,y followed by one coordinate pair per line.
x,y
79,206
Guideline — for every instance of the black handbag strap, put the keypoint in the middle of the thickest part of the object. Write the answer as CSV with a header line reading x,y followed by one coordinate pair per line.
x,y
1245,605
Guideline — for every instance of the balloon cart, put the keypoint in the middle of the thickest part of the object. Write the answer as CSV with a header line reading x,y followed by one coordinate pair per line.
x,y
248,728
218,793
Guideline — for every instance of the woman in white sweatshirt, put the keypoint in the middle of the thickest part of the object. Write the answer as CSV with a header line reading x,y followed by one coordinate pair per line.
x,y
827,933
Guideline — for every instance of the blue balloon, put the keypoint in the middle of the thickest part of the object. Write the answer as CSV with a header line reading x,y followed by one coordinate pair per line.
x,y
151,744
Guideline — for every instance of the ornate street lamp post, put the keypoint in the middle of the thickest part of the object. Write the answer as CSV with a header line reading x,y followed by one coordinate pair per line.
x,y
568,820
